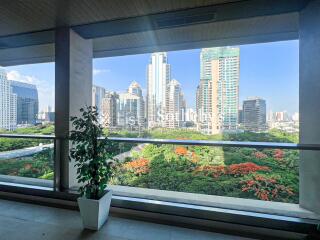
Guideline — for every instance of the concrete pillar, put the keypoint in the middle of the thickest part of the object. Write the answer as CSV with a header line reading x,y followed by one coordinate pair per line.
x,y
309,100
73,90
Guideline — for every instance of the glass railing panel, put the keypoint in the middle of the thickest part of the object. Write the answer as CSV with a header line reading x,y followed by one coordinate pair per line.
x,y
249,173
27,161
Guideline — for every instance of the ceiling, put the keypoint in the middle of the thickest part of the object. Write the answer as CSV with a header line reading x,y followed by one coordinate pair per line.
x,y
120,27
232,32
21,16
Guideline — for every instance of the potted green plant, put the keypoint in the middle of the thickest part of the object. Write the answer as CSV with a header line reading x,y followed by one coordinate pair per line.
x,y
92,159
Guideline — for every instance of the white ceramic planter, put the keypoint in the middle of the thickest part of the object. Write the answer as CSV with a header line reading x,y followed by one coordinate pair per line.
x,y
94,213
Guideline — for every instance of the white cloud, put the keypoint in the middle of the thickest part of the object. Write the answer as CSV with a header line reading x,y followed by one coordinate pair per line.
x,y
45,90
17,76
97,71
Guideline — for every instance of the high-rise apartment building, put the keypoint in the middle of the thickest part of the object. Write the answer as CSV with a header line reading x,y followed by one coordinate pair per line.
x,y
158,77
128,111
240,116
204,106
8,103
136,90
175,105
131,108
281,116
27,102
254,114
191,115
295,117
47,115
98,94
218,90
110,109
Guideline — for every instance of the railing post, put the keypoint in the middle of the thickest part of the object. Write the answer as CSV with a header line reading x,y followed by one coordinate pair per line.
x,y
56,174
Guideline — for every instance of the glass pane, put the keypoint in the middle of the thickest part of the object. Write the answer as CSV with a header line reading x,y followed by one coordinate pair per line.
x,y
27,161
27,100
231,93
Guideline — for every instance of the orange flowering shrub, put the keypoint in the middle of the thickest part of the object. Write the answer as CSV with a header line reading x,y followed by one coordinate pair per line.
x,y
245,168
139,166
278,154
214,171
194,157
181,151
260,155
266,189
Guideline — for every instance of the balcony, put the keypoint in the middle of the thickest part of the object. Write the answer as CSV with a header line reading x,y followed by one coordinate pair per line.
x,y
165,187
41,222
182,204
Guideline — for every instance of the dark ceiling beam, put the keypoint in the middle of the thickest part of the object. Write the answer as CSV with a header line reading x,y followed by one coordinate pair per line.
x,y
215,13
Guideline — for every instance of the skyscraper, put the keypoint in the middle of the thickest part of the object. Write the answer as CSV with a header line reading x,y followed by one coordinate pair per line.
x,y
204,106
158,76
136,90
240,116
131,108
8,103
27,102
281,116
254,114
110,109
98,94
128,110
218,90
191,115
175,105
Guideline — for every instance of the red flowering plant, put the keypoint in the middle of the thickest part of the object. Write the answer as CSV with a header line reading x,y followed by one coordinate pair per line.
x,y
245,168
213,171
260,155
139,166
236,170
278,154
267,189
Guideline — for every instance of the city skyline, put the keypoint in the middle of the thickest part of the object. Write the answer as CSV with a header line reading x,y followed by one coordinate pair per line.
x,y
279,86
217,107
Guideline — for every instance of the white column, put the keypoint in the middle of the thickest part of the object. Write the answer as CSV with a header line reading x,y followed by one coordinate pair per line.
x,y
73,90
309,101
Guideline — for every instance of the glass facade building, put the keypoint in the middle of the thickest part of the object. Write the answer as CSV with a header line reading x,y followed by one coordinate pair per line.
x,y
27,102
254,114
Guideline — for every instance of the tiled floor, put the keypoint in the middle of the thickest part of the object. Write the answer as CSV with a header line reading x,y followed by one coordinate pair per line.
x,y
27,221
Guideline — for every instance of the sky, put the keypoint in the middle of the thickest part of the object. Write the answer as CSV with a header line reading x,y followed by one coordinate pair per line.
x,y
267,70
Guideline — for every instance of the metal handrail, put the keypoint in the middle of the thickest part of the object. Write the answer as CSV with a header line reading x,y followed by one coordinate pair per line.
x,y
295,146
28,136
